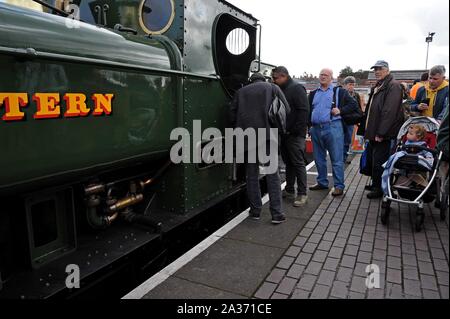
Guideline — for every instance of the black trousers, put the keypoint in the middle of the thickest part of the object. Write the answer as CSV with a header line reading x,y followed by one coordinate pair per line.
x,y
293,154
378,153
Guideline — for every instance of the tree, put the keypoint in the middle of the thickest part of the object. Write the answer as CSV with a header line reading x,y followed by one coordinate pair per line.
x,y
347,71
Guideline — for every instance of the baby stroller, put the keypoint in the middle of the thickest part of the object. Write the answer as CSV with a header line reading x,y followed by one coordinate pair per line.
x,y
410,160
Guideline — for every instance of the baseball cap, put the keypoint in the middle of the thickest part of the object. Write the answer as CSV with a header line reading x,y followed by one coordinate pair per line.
x,y
381,64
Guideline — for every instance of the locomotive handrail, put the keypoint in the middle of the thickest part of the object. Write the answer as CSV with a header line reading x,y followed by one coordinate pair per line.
x,y
32,53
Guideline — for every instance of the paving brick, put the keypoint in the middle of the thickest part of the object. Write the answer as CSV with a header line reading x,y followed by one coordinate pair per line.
x,y
286,286
307,282
303,259
410,260
329,236
279,296
368,237
426,268
320,292
421,245
344,274
300,294
360,269
440,265
331,264
295,271
320,256
394,276
437,253
276,275
348,261
411,273
367,247
309,248
339,290
423,256
340,242
265,291
358,284
326,278
394,262
313,268
315,238
394,251
379,254
444,292
351,250
380,244
394,241
285,262
293,251
300,241
364,257
325,245
354,240
408,249
375,294
412,287
333,228
429,294
336,252
428,282
442,277
320,230
394,291
306,232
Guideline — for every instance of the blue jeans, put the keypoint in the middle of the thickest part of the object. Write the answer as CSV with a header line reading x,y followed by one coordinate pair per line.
x,y
329,137
348,134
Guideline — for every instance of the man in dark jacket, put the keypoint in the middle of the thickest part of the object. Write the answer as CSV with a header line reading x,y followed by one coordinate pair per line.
x,y
293,143
384,119
327,104
249,110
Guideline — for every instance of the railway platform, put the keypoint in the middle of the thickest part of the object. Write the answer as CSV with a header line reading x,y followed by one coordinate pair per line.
x,y
322,251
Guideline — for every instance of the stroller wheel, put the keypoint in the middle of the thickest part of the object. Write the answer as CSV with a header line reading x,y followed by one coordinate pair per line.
x,y
420,218
385,213
444,207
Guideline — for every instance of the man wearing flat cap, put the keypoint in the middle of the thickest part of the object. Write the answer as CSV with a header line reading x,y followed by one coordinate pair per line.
x,y
384,120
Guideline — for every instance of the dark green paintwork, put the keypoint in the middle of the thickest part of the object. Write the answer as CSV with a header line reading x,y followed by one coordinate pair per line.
x,y
148,103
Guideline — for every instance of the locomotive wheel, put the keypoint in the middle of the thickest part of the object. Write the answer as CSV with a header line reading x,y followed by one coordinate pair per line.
x,y
420,218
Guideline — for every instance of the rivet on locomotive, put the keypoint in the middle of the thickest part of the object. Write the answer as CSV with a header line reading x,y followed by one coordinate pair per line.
x,y
86,114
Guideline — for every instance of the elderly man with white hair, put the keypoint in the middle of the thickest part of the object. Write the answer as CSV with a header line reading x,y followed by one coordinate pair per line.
x,y
327,104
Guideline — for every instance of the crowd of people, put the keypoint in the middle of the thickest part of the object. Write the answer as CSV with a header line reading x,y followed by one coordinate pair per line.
x,y
329,115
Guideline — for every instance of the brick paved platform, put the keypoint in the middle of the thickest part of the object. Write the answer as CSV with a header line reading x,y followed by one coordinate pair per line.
x,y
344,236
321,252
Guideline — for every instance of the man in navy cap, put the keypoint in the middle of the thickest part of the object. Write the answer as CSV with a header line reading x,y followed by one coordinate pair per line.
x,y
384,120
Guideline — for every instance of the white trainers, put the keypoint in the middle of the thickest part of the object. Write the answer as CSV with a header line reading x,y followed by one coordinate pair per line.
x,y
301,200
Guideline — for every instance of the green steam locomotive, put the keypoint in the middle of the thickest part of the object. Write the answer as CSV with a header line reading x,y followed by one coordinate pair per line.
x,y
90,91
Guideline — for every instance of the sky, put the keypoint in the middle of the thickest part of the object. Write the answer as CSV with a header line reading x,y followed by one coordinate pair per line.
x,y
306,36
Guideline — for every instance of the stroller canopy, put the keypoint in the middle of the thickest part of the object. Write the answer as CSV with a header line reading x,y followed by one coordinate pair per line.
x,y
430,124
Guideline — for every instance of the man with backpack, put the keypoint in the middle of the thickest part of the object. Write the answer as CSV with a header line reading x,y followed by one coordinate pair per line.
x,y
293,143
250,110
328,105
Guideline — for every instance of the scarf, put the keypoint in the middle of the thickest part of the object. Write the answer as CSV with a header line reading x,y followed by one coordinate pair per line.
x,y
432,94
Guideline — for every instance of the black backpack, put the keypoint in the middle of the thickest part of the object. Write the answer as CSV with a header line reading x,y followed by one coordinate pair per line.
x,y
353,118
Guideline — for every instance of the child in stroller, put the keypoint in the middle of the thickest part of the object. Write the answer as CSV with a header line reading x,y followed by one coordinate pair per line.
x,y
415,179
410,173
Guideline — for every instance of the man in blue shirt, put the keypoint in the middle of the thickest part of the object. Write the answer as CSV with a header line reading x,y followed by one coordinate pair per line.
x,y
327,103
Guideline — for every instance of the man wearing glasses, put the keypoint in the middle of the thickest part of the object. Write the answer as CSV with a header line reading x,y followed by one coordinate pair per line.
x,y
327,133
